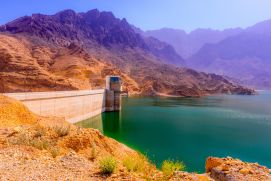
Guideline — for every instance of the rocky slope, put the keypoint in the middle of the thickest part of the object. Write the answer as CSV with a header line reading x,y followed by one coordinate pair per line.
x,y
71,50
25,67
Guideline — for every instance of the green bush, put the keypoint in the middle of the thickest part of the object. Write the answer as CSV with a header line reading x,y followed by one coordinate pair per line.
x,y
136,163
169,166
107,165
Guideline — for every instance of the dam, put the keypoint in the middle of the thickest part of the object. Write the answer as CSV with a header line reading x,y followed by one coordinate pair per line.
x,y
74,106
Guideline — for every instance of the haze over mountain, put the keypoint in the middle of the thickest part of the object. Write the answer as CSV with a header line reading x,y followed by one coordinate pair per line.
x,y
241,54
245,56
187,44
71,50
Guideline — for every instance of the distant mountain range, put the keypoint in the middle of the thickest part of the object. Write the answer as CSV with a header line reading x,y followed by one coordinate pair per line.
x,y
70,50
187,44
242,54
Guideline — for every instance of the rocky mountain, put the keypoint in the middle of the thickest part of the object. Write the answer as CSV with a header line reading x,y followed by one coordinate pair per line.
x,y
261,28
245,56
187,44
71,50
90,29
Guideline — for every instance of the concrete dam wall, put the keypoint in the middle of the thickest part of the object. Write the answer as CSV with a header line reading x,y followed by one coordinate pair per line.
x,y
74,106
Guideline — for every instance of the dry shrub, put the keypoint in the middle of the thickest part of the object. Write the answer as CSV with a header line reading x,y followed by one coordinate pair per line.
x,y
40,131
62,130
91,153
40,143
24,138
21,139
55,151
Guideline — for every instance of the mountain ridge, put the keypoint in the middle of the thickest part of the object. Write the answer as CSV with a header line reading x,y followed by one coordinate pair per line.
x,y
77,50
87,28
245,56
186,44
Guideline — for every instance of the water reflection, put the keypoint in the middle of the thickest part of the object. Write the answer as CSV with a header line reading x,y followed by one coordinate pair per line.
x,y
111,122
95,122
177,102
107,123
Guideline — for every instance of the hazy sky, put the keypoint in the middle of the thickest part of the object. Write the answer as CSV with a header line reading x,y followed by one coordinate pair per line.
x,y
154,14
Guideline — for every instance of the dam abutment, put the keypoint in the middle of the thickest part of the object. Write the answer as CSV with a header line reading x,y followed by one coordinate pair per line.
x,y
74,106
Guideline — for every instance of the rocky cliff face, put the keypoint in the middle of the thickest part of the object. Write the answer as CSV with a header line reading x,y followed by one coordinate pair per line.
x,y
28,67
71,50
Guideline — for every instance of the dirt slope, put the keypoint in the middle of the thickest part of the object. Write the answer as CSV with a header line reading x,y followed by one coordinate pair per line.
x,y
12,113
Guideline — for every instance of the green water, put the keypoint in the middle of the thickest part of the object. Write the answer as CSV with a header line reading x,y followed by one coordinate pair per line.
x,y
191,129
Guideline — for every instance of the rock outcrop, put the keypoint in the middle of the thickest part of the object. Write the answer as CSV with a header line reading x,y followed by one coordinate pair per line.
x,y
229,169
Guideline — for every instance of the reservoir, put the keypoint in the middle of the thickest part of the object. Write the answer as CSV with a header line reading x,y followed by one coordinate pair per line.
x,y
191,129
